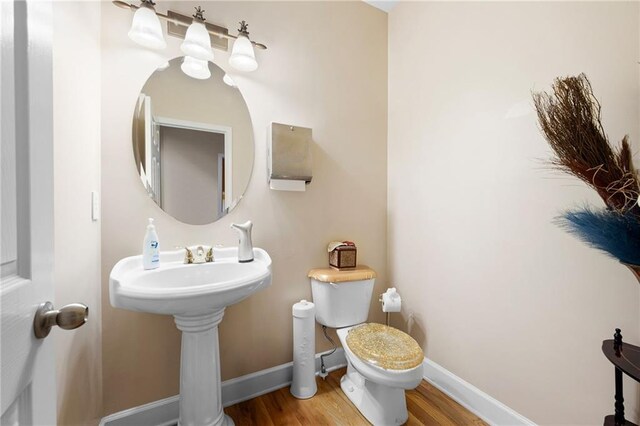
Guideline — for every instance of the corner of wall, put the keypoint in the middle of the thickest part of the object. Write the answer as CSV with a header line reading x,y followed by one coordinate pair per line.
x,y
76,74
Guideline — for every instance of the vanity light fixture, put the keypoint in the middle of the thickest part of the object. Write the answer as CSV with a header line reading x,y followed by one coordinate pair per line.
x,y
243,57
146,30
197,42
145,27
229,81
195,68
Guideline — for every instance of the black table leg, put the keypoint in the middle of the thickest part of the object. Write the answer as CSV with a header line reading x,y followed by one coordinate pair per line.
x,y
619,405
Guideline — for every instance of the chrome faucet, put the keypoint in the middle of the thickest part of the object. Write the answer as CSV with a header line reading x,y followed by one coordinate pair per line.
x,y
200,256
245,246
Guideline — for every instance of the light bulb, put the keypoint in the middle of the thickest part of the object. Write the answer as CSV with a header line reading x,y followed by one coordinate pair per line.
x,y
145,28
197,43
195,68
229,81
243,57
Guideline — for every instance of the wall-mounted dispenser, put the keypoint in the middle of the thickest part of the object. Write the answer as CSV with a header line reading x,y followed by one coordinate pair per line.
x,y
289,157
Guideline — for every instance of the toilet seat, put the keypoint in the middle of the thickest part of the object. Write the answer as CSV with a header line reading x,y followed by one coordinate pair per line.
x,y
406,379
383,346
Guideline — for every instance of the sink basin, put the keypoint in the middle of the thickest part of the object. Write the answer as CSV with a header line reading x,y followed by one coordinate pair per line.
x,y
178,288
196,296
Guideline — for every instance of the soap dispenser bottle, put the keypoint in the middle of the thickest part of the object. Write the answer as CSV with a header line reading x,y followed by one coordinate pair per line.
x,y
245,246
151,248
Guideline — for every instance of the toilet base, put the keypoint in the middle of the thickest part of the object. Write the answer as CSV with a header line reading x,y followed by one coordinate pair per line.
x,y
381,405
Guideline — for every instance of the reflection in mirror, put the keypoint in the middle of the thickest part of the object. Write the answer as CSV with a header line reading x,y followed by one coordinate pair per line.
x,y
192,143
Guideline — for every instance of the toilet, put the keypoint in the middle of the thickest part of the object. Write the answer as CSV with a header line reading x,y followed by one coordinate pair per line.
x,y
382,361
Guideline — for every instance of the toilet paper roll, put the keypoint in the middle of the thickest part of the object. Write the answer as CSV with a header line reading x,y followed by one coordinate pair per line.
x,y
287,185
303,385
391,301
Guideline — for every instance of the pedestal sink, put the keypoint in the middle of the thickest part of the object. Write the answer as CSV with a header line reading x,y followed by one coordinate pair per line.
x,y
196,296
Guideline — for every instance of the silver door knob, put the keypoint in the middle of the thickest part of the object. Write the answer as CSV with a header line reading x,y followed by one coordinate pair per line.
x,y
69,317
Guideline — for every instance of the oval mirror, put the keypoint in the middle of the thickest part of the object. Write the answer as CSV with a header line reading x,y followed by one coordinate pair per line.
x,y
193,141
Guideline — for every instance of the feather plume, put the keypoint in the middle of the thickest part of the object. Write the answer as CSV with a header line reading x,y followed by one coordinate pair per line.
x,y
570,120
616,234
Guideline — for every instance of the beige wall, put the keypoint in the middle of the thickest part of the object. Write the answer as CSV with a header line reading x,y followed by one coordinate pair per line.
x,y
76,127
325,69
493,290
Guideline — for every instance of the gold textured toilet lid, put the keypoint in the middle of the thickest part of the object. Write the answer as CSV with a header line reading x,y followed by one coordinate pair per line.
x,y
384,346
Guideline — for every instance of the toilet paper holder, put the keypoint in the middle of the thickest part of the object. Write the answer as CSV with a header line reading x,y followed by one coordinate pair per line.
x,y
391,301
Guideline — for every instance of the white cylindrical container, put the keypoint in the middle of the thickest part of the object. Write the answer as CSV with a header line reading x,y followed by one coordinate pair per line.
x,y
303,385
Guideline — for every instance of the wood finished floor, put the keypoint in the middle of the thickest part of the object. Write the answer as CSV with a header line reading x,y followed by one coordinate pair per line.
x,y
330,406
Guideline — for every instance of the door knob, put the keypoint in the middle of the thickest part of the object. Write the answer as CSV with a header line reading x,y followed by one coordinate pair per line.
x,y
69,317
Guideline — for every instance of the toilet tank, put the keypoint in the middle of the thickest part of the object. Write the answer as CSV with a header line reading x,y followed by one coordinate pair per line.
x,y
342,298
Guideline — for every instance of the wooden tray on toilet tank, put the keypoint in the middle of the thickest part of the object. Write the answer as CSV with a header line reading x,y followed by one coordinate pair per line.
x,y
332,275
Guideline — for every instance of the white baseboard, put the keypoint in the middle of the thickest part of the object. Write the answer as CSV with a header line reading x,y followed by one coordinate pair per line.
x,y
165,411
473,399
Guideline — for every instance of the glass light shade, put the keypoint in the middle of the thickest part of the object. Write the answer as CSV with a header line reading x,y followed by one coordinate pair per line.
x,y
229,81
197,43
243,57
195,68
146,30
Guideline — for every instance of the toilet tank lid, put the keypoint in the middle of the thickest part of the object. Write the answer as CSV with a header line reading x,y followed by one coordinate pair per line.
x,y
330,275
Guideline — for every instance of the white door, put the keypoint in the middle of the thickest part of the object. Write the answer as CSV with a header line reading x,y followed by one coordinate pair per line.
x,y
27,368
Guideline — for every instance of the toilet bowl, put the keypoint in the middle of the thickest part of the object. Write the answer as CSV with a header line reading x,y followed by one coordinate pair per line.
x,y
376,387
382,361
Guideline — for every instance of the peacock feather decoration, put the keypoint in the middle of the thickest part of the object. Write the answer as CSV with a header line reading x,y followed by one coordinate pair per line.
x,y
570,120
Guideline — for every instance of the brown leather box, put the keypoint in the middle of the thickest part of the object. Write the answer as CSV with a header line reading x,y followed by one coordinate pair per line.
x,y
343,257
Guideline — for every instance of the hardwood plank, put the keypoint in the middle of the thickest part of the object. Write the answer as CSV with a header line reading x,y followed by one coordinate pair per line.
x,y
454,411
251,412
330,406
279,406
424,414
423,419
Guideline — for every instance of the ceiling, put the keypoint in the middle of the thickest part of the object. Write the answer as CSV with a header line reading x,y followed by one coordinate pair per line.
x,y
385,5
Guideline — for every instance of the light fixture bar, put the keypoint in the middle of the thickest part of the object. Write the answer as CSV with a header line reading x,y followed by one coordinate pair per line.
x,y
182,20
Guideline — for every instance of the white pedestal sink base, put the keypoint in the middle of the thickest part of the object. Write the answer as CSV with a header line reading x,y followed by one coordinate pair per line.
x,y
196,296
200,398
